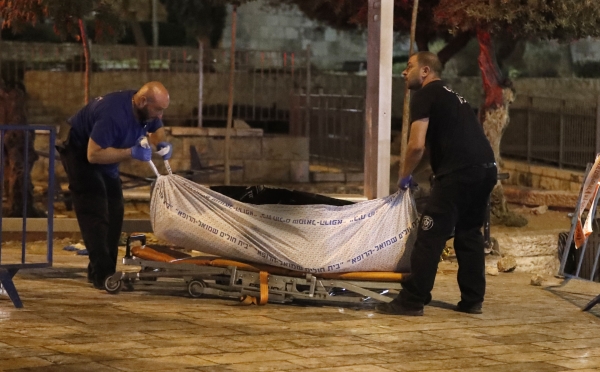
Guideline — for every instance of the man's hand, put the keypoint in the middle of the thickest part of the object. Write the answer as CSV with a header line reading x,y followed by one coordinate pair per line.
x,y
164,149
141,152
404,183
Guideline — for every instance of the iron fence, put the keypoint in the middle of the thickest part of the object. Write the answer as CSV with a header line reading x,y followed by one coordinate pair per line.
x,y
15,167
559,132
53,76
335,125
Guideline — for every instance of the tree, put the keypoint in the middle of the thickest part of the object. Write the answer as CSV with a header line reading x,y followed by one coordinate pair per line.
x,y
204,21
349,15
540,19
68,19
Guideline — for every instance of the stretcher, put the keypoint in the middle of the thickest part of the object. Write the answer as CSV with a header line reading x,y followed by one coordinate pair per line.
x,y
249,283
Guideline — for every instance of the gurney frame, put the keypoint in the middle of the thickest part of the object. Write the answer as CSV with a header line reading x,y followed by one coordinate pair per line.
x,y
247,286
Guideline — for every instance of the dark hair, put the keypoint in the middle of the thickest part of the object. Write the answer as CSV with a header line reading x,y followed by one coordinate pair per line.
x,y
430,60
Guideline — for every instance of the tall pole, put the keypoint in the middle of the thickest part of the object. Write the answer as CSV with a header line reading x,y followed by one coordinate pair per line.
x,y
154,23
406,111
200,81
230,102
378,106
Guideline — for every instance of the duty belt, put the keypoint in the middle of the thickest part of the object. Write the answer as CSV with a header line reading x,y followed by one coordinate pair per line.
x,y
486,165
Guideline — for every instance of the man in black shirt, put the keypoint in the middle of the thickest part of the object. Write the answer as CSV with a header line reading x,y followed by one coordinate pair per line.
x,y
465,174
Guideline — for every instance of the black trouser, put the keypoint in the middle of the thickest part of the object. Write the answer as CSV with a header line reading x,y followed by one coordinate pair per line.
x,y
458,202
99,206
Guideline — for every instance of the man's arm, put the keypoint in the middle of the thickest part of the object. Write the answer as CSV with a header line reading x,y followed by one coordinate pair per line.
x,y
416,146
157,136
109,155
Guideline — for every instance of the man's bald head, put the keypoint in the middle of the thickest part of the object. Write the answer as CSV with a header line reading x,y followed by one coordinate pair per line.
x,y
151,100
154,91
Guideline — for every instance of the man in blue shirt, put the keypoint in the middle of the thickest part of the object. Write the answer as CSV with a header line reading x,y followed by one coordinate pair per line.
x,y
105,132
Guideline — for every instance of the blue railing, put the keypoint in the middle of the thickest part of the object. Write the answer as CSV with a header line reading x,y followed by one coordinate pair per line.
x,y
8,270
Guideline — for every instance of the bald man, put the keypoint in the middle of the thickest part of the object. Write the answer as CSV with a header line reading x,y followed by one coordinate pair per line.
x,y
105,132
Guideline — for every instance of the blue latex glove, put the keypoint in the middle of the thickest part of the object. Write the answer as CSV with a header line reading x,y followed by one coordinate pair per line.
x,y
164,149
141,152
404,183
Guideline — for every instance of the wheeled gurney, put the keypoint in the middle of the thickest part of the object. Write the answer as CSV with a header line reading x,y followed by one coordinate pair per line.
x,y
247,282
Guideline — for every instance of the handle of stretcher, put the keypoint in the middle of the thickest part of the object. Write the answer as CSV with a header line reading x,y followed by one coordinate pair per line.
x,y
144,142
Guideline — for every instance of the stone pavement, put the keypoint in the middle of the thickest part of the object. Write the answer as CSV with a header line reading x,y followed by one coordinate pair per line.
x,y
68,326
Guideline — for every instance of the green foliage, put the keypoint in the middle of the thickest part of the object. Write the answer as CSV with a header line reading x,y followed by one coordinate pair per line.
x,y
65,15
201,18
534,18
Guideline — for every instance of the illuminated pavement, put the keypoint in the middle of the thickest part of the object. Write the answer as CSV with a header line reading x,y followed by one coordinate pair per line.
x,y
66,325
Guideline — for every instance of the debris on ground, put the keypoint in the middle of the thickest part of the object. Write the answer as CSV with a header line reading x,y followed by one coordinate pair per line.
x,y
507,264
491,270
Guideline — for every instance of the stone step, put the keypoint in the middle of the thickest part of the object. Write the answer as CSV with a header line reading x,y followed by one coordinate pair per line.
x,y
536,197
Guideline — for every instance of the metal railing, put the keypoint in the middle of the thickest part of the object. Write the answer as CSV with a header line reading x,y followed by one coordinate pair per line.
x,y
264,80
335,125
12,262
559,132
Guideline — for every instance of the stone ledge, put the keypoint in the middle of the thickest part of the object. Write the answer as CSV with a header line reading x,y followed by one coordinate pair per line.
x,y
214,132
551,198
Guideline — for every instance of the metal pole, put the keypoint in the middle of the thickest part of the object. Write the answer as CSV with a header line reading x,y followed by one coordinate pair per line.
x,y
529,134
200,81
230,102
154,23
308,90
561,140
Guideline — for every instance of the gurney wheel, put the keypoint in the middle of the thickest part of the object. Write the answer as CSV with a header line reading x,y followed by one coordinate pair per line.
x,y
195,288
112,286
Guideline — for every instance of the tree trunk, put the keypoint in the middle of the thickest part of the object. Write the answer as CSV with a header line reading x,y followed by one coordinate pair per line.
x,y
494,116
406,108
230,102
86,54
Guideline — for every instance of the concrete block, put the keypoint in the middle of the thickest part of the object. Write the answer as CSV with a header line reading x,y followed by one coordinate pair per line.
x,y
535,180
246,148
266,171
250,132
327,177
539,264
536,170
200,143
355,177
285,148
236,176
549,172
574,186
299,171
242,148
548,183
186,131
219,132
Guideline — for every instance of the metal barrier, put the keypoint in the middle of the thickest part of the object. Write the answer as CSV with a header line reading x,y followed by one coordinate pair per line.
x,y
560,132
12,262
335,125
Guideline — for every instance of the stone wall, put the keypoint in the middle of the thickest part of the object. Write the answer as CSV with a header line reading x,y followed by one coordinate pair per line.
x,y
534,252
534,185
261,158
542,177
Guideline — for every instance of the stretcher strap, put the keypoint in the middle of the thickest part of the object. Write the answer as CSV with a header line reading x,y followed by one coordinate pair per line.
x,y
264,288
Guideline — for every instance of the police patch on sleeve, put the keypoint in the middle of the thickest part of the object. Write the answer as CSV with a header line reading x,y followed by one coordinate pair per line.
x,y
426,223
